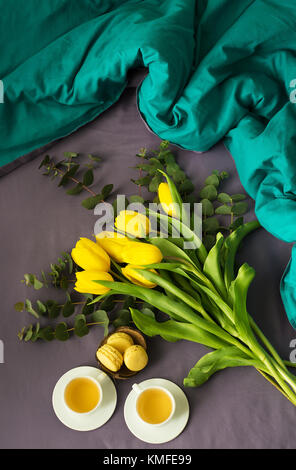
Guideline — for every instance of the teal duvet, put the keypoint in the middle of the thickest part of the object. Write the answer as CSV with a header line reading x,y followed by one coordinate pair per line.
x,y
217,69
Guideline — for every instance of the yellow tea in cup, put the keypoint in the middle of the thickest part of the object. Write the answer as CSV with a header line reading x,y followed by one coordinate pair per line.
x,y
154,406
82,395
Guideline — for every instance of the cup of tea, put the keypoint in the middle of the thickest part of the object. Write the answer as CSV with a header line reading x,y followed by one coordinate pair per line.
x,y
155,405
83,395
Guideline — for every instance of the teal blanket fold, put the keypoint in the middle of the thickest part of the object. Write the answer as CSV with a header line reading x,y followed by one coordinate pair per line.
x,y
217,69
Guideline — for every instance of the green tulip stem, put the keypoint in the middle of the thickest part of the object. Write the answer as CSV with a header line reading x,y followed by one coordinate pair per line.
x,y
289,363
267,377
278,361
187,233
117,276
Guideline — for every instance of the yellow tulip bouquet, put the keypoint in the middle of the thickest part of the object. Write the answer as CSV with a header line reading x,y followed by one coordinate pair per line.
x,y
203,297
198,289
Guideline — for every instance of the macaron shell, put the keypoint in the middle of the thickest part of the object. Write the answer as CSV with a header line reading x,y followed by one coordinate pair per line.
x,y
120,341
110,357
135,358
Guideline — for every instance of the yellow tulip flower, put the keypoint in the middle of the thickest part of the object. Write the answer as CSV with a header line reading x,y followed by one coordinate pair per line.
x,y
135,277
85,284
113,244
141,254
90,256
133,223
166,200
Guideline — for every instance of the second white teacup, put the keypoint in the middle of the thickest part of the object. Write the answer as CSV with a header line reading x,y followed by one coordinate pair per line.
x,y
155,405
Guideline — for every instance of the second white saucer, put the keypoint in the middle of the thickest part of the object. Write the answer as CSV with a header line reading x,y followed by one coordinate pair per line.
x,y
165,432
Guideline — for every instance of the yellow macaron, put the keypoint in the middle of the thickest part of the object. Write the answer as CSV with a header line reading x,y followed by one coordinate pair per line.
x,y
109,357
120,341
135,358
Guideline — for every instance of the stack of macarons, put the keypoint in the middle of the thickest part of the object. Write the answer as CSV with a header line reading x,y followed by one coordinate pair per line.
x,y
120,349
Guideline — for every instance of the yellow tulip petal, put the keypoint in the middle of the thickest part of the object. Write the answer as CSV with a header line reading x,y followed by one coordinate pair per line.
x,y
90,256
119,237
113,244
141,254
133,223
135,277
166,200
85,282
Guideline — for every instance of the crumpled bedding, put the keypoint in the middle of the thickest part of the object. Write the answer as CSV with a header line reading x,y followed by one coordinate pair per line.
x,y
217,69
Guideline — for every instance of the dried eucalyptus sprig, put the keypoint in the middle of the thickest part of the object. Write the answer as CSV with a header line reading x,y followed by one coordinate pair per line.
x,y
67,170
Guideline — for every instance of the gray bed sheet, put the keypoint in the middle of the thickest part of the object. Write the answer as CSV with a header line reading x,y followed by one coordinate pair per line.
x,y
237,408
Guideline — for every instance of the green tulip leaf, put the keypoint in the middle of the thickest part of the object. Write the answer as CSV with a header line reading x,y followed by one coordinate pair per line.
x,y
230,247
212,266
169,250
216,361
238,290
172,330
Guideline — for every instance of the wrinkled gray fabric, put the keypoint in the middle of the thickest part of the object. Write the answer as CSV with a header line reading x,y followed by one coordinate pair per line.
x,y
237,408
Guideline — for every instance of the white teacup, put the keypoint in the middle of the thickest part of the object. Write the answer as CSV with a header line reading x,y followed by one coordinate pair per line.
x,y
95,382
140,390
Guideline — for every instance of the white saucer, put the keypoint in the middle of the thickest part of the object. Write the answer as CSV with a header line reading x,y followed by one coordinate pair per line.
x,y
157,434
92,420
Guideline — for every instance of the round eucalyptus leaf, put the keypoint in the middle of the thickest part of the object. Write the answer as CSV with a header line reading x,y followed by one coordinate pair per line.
x,y
209,192
239,208
224,198
211,225
212,179
223,210
61,332
207,207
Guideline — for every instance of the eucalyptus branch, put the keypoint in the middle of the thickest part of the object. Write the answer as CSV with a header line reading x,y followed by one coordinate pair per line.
x,y
55,169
